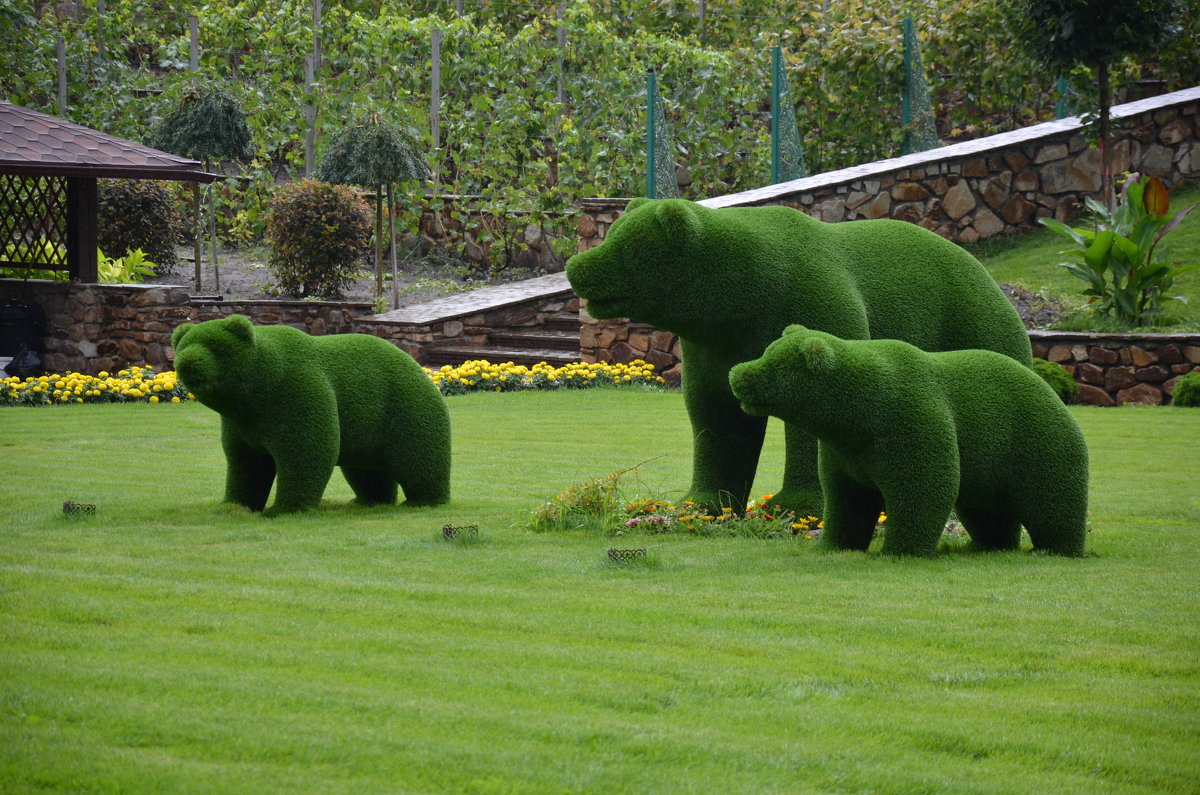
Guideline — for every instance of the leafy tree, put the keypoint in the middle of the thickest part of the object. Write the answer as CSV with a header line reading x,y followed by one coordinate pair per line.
x,y
1095,34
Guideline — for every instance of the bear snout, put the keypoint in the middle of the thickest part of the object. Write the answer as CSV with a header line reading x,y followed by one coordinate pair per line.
x,y
192,367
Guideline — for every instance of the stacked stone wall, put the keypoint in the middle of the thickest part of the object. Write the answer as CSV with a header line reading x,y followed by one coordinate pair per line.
x,y
1115,369
92,327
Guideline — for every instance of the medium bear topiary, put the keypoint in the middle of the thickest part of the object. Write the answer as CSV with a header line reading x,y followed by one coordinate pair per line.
x,y
919,434
294,407
728,281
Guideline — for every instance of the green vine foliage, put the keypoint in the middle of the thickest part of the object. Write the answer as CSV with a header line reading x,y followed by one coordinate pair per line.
x,y
514,150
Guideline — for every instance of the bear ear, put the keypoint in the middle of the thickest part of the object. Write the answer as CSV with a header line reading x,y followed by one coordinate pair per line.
x,y
818,354
239,326
679,219
636,203
180,331
795,328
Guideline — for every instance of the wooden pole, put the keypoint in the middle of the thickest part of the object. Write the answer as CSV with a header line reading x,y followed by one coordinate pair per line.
x,y
310,118
435,121
101,10
212,224
193,43
62,76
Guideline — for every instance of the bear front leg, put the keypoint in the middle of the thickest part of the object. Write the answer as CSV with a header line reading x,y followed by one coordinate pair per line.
x,y
801,491
726,443
304,470
850,509
249,472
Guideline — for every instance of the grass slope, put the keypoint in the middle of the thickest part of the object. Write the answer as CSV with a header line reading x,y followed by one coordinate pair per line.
x,y
171,644
1033,259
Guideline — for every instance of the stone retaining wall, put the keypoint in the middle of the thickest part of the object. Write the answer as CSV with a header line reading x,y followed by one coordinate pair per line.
x,y
94,327
1114,369
989,186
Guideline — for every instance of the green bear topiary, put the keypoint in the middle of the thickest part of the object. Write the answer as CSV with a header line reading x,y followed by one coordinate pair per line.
x,y
1187,391
728,281
297,406
918,434
1059,380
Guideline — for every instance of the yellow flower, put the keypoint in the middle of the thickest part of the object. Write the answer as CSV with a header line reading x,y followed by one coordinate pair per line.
x,y
154,398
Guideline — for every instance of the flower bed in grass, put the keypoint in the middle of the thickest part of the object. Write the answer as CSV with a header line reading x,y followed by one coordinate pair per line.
x,y
133,385
144,385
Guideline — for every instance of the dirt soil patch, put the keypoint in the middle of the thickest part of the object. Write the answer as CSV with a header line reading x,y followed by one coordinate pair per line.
x,y
243,274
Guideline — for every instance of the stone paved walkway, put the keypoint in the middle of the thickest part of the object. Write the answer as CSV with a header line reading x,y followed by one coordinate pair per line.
x,y
474,301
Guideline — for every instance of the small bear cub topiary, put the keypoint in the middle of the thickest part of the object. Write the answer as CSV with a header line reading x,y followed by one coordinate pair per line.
x,y
294,407
919,434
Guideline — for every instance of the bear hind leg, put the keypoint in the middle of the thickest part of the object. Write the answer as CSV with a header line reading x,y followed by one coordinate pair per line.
x,y
371,486
990,530
1061,532
428,484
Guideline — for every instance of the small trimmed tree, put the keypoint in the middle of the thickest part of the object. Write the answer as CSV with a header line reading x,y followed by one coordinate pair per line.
x,y
375,154
207,125
318,233
1095,34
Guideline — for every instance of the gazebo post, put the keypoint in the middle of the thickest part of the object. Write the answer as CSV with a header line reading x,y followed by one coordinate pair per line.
x,y
81,229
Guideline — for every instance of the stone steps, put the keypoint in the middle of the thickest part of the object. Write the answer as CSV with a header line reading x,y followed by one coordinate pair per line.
x,y
554,341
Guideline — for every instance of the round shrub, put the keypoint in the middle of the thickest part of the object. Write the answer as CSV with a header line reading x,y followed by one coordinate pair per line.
x,y
1187,391
318,233
1059,380
138,213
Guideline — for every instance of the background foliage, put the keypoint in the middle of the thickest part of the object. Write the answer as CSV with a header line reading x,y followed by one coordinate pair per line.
x,y
505,136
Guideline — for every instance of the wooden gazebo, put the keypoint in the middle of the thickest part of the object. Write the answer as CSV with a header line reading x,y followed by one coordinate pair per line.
x,y
48,173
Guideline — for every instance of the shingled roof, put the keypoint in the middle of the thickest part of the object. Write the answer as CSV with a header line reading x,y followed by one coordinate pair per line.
x,y
38,145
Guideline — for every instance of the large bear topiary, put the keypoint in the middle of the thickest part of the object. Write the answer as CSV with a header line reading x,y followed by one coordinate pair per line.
x,y
728,281
293,407
918,434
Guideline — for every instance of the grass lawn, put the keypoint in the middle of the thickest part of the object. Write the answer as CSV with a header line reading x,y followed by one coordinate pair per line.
x,y
1033,259
172,644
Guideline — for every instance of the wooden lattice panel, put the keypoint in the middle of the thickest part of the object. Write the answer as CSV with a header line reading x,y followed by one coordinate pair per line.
x,y
33,222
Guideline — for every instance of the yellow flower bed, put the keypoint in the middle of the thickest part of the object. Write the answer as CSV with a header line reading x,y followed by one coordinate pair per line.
x,y
134,385
482,376
143,385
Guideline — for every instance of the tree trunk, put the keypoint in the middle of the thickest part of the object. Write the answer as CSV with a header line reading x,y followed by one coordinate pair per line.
x,y
392,236
378,241
197,232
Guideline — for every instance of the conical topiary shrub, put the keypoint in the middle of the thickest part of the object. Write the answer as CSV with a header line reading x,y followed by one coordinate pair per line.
x,y
374,154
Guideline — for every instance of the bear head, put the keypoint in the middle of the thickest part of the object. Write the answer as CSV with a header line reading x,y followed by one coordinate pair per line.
x,y
800,365
642,270
214,359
